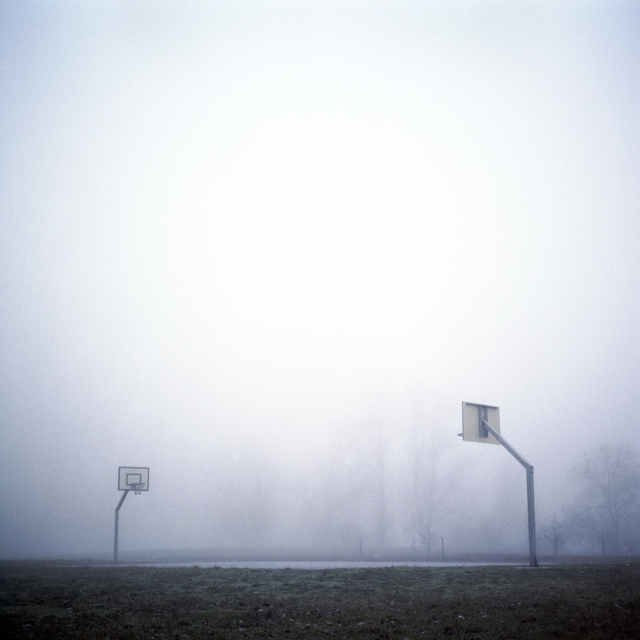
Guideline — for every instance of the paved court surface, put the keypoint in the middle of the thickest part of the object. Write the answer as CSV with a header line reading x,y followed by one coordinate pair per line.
x,y
279,564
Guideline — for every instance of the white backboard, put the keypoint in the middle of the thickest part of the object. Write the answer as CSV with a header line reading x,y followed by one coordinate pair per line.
x,y
472,429
133,478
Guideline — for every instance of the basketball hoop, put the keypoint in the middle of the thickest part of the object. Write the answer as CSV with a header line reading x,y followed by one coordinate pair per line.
x,y
137,487
129,479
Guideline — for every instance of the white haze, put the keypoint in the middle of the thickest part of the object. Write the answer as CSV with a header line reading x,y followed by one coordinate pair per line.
x,y
238,238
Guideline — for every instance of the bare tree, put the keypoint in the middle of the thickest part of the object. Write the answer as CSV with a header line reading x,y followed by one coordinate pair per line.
x,y
583,530
609,506
245,506
375,456
372,442
331,514
427,488
554,535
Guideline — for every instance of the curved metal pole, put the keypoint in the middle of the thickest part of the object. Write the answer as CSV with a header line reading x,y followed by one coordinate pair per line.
x,y
115,539
531,506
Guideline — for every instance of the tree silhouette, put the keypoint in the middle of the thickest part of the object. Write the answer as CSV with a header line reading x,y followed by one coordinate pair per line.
x,y
608,510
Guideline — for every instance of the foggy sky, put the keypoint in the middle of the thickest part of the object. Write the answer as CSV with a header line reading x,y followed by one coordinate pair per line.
x,y
232,232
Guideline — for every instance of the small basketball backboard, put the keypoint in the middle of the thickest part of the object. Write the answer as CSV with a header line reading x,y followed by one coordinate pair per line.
x,y
472,428
133,479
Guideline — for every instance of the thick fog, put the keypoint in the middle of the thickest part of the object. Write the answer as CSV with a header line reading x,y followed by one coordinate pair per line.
x,y
267,249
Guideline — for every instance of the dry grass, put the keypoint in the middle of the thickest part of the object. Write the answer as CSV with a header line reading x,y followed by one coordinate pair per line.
x,y
44,600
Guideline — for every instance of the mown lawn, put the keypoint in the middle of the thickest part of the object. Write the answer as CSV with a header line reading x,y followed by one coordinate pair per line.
x,y
44,600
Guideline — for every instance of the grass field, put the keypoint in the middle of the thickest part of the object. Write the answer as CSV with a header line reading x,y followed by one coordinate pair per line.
x,y
56,600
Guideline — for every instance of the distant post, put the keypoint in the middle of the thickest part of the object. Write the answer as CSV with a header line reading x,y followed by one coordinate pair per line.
x,y
129,479
481,423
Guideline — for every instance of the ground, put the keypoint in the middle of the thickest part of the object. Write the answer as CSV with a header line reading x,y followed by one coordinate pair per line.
x,y
60,600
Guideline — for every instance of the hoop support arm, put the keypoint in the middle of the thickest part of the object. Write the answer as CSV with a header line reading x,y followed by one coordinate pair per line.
x,y
531,505
506,445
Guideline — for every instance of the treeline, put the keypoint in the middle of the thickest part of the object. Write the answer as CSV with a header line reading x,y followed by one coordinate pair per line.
x,y
382,481
408,482
604,516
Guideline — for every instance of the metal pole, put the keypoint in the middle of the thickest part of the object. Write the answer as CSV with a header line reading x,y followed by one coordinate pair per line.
x,y
115,539
531,507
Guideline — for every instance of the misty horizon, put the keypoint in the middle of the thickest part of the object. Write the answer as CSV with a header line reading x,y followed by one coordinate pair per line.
x,y
266,249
